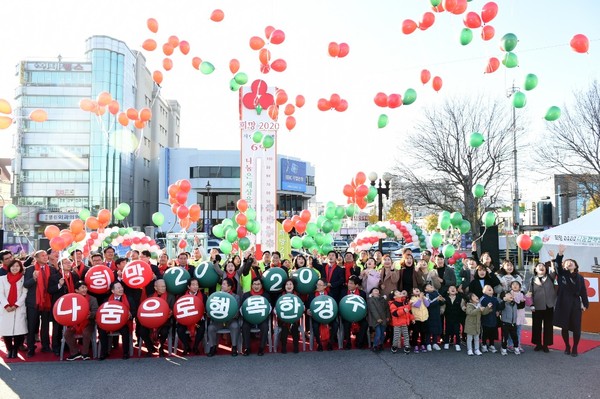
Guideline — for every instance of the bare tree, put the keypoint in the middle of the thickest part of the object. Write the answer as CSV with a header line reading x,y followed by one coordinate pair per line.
x,y
573,144
440,168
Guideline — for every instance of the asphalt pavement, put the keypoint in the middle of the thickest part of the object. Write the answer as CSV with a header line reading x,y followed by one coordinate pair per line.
x,y
337,374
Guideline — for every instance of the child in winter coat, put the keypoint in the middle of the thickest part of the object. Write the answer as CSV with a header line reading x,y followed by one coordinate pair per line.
x,y
401,318
509,322
378,316
454,315
474,312
419,304
489,322
519,298
434,321
370,277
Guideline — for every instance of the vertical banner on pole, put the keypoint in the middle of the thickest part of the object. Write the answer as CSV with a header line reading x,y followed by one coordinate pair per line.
x,y
258,159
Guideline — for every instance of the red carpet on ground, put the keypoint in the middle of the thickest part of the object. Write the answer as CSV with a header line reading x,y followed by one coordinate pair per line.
x,y
584,344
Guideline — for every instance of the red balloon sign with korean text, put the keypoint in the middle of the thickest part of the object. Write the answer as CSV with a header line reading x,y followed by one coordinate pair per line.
x,y
71,309
153,312
137,274
99,279
112,316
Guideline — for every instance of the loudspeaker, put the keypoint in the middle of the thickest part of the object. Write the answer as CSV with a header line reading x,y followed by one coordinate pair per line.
x,y
489,243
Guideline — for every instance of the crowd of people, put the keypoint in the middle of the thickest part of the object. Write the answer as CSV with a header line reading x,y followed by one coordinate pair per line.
x,y
419,305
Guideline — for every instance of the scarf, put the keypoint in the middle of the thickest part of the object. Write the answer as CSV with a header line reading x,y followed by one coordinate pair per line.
x,y
80,269
13,279
163,268
355,292
232,277
42,298
125,302
111,265
262,291
348,267
81,326
329,269
68,281
317,293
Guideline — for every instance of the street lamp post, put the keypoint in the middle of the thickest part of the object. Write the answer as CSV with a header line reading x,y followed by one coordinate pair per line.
x,y
382,189
208,211
515,211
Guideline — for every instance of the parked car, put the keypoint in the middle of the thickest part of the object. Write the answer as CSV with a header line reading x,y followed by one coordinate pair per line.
x,y
213,243
340,246
388,247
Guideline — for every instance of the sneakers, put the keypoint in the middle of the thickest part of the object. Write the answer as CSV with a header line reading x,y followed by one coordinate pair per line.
x,y
517,351
537,348
407,350
478,353
470,352
457,348
423,349
394,349
484,348
521,349
85,357
510,349
446,346
437,347
74,357
416,349
429,348
503,352
493,349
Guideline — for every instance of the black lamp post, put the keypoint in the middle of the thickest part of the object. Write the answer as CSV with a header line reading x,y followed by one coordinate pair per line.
x,y
208,211
382,189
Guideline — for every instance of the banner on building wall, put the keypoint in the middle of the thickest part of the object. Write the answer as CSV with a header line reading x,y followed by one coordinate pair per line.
x,y
258,159
293,175
284,246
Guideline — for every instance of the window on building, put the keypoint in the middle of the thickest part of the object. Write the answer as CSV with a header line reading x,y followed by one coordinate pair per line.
x,y
146,142
146,163
225,172
146,184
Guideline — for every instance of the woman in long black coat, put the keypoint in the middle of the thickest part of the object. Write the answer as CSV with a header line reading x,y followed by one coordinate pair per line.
x,y
572,299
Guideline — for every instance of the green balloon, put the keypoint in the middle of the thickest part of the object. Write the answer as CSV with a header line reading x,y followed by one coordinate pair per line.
x,y
117,215
443,215
465,227
382,121
176,280
327,226
372,193
353,308
351,210
268,141
257,137
509,42
241,78
519,99
435,3
329,214
217,230
320,239
466,36
489,218
251,226
11,211
244,243
258,109
231,236
227,222
289,307
448,251
296,242
536,244
476,140
337,224
410,96
250,214
255,309
114,235
84,214
233,85
478,190
221,307
328,239
340,212
311,229
226,246
323,309
124,209
207,68
510,60
531,81
255,227
325,248
320,220
274,278
552,114
206,275
330,204
436,240
444,223
308,242
456,218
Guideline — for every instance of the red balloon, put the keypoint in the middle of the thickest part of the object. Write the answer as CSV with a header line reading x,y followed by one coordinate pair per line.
x,y
188,310
153,312
112,316
323,105
242,231
71,309
334,100
492,65
182,212
295,218
580,43
137,274
281,97
184,47
472,20
185,185
437,83
381,99
360,178
342,106
408,26
394,100
300,227
344,50
333,49
290,122
489,12
217,15
182,244
98,279
241,219
427,20
300,101
362,190
487,32
524,241
449,5
425,76
181,197
288,225
242,205
277,37
461,6
279,65
305,215
348,190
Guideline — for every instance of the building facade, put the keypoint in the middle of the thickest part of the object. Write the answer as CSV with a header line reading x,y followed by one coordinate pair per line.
x,y
77,160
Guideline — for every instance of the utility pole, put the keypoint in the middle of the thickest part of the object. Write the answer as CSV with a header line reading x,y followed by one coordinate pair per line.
x,y
515,206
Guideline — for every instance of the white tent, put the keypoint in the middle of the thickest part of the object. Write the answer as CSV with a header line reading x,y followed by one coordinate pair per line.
x,y
581,237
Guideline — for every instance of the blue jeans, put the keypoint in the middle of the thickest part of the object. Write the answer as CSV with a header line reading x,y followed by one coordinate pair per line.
x,y
379,334
510,341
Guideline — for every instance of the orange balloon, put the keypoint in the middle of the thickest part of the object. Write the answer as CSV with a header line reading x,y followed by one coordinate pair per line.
x,y
217,15
487,32
256,43
333,49
323,105
342,106
67,237
104,98
132,114
360,178
76,226
279,65
173,190
167,64
184,47
196,61
145,114
5,122
113,107
86,104
234,65
425,76
51,231
104,216
289,109
149,45
290,122
264,56
344,50
268,31
280,97
5,107
185,223
100,110
139,124
157,76
79,236
241,219
195,212
273,111
173,201
461,6
173,41
152,25
123,119
92,223
38,115
57,244
168,49
300,101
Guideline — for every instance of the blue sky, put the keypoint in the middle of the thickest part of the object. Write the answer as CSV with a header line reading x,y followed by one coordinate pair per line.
x,y
381,59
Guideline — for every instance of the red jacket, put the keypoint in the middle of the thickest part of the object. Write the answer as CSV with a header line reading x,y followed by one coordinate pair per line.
x,y
401,314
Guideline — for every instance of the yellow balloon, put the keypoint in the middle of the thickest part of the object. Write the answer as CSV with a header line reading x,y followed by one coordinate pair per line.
x,y
5,122
5,107
39,115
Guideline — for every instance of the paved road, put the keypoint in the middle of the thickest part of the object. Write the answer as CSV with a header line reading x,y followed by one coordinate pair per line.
x,y
338,374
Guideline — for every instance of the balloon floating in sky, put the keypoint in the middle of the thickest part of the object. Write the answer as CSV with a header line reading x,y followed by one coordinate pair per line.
x,y
382,121
466,36
425,76
487,32
408,26
492,65
552,114
510,60
476,140
152,25
531,81
580,43
437,83
217,15
489,12
509,42
339,50
410,96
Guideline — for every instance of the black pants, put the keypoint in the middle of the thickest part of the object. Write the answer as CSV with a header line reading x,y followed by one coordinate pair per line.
x,y
162,333
182,333
360,337
264,331
57,332
333,331
13,342
105,346
33,326
452,332
419,330
542,320
509,329
287,329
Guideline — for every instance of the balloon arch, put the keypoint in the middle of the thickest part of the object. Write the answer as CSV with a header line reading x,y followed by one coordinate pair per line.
x,y
411,233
